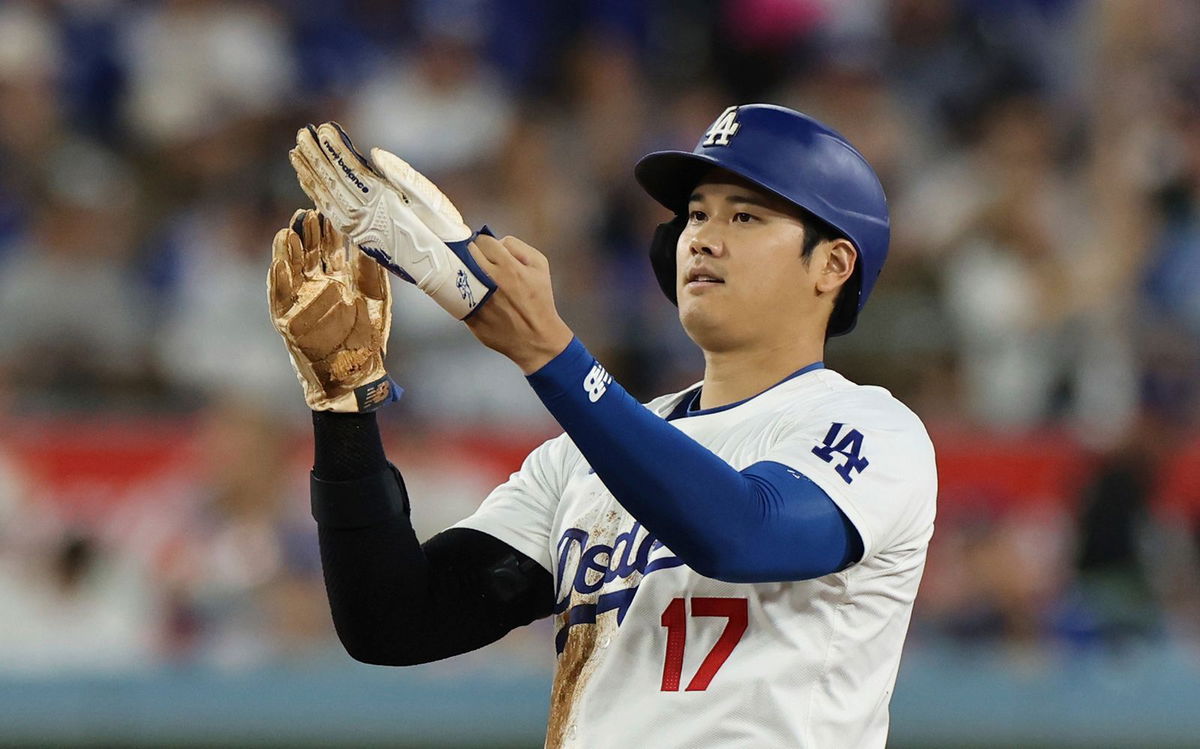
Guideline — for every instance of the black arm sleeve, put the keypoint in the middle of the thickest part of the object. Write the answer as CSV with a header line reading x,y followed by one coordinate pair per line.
x,y
396,602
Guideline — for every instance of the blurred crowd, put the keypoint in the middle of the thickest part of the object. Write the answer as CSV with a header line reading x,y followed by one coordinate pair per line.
x,y
1041,158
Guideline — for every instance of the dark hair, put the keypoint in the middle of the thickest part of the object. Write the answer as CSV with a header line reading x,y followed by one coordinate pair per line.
x,y
816,231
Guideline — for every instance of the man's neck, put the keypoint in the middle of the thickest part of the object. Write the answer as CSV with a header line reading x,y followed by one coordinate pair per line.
x,y
732,376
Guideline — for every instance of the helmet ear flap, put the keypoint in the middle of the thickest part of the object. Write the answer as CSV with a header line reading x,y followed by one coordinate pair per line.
x,y
662,254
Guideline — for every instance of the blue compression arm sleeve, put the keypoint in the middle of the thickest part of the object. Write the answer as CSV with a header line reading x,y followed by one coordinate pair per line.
x,y
765,523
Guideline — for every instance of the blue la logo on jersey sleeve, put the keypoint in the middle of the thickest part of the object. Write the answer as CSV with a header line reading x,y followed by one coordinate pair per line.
x,y
849,446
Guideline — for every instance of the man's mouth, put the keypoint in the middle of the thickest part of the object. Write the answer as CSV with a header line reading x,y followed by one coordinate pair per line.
x,y
699,277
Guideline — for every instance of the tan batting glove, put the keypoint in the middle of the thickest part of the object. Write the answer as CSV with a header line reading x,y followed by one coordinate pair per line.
x,y
333,307
394,214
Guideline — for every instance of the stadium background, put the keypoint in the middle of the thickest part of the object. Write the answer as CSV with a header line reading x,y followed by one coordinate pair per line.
x,y
159,580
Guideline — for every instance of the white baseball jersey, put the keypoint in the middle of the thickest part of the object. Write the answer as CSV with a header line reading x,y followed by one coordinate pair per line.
x,y
653,654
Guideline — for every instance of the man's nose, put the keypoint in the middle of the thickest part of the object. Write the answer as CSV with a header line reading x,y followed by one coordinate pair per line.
x,y
707,240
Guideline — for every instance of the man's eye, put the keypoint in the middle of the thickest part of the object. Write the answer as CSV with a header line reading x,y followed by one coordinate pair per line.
x,y
697,216
742,217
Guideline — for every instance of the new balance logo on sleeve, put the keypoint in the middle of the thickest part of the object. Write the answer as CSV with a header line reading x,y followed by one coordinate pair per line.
x,y
596,382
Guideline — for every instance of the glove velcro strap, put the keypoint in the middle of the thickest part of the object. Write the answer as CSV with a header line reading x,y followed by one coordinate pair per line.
x,y
376,394
463,252
359,503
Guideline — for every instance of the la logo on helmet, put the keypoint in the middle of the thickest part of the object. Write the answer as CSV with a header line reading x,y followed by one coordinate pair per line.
x,y
723,129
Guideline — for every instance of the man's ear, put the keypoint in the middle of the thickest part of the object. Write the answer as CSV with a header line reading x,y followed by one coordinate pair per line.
x,y
839,258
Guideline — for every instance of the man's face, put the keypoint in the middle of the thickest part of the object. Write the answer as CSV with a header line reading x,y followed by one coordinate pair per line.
x,y
740,276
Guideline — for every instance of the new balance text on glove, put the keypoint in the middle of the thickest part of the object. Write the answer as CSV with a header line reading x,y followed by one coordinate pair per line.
x,y
394,214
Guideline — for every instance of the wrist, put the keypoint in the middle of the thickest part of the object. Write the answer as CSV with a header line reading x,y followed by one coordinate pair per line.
x,y
539,355
564,373
346,446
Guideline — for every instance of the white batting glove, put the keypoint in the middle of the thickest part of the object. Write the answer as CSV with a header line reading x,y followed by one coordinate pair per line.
x,y
394,214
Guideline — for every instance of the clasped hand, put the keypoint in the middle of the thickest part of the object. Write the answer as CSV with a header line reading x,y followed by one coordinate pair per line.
x,y
520,320
392,213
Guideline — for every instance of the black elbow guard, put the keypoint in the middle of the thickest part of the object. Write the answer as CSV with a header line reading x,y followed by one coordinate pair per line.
x,y
359,503
514,576
494,572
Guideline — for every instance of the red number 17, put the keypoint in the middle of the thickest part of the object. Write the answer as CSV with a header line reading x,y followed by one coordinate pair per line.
x,y
675,620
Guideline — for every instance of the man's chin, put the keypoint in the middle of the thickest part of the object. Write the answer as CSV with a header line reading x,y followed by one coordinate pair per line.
x,y
707,327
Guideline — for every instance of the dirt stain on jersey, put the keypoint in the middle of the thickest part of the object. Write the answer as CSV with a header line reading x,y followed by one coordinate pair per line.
x,y
575,665
580,656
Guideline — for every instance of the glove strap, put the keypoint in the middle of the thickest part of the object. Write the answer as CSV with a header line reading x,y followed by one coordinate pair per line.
x,y
377,394
463,252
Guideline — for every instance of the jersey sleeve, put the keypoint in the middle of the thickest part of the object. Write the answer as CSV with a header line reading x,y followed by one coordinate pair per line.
x,y
520,511
875,461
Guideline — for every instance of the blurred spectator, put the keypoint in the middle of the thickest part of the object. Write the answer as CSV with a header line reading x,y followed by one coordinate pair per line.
x,y
30,66
1017,254
76,606
1170,300
999,575
73,323
197,65
442,107
93,80
1114,596
215,337
1008,273
237,554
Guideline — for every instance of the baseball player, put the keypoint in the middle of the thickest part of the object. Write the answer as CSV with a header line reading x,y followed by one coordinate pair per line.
x,y
732,565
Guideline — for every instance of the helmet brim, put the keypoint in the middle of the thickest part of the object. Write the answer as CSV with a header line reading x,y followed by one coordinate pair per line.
x,y
670,176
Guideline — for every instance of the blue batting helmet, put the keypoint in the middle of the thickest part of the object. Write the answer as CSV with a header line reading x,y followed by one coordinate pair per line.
x,y
798,159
